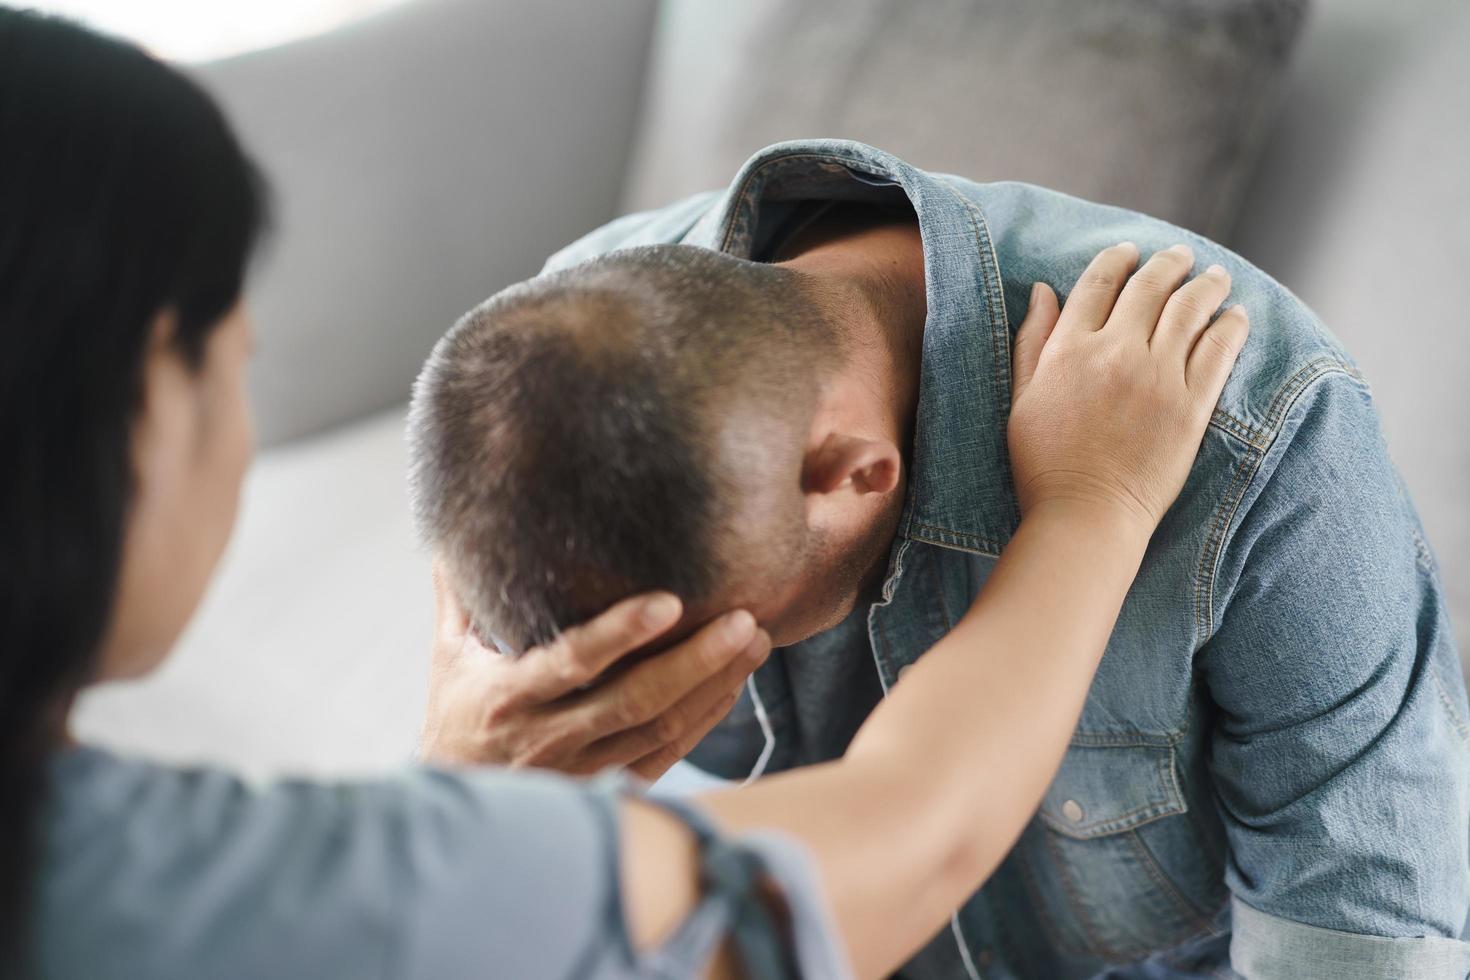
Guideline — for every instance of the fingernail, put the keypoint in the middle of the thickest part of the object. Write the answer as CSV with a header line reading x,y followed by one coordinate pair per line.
x,y
1035,292
738,626
1180,249
661,610
1240,308
1128,245
1216,270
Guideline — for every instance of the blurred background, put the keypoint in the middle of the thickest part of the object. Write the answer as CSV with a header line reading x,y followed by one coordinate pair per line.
x,y
426,153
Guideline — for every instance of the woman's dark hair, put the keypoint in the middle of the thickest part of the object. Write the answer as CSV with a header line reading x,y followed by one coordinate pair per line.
x,y
123,193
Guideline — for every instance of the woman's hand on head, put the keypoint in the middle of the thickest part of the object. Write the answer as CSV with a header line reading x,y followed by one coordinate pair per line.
x,y
577,705
1112,393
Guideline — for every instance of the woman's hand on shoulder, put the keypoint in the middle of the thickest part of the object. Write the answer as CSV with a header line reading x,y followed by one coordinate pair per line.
x,y
1112,392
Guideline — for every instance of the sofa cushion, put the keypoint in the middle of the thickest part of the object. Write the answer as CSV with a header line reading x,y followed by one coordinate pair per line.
x,y
1154,105
423,158
310,654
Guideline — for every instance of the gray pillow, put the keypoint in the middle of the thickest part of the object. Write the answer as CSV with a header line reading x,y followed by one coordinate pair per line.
x,y
1157,105
423,159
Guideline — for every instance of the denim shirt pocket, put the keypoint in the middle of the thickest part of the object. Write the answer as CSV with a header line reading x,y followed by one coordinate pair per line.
x,y
1098,854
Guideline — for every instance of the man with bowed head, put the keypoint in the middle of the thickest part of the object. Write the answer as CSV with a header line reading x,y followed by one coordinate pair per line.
x,y
787,403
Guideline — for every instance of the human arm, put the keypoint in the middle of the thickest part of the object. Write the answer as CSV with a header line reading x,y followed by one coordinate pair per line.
x,y
1339,748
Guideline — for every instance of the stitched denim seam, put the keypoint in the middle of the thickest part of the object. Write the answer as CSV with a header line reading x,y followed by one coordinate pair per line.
x,y
994,296
1099,947
971,543
1260,436
1139,817
1171,773
1000,336
1309,373
1198,922
1457,722
1203,581
1049,922
1422,552
1127,740
1231,425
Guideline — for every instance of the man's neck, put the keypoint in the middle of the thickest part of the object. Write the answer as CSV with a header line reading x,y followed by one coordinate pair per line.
x,y
868,266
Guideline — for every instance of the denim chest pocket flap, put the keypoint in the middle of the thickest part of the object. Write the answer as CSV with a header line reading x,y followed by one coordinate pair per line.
x,y
1106,789
1115,878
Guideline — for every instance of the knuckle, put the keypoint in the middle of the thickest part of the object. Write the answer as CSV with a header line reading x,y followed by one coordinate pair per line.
x,y
570,671
499,711
1190,304
629,709
1152,281
659,762
1219,344
1097,279
526,758
1115,361
537,752
717,649
641,742
650,768
667,727
626,633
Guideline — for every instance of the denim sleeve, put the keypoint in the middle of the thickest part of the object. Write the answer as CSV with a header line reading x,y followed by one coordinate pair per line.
x,y
1340,750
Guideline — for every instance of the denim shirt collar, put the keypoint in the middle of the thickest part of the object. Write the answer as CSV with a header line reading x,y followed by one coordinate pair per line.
x,y
960,493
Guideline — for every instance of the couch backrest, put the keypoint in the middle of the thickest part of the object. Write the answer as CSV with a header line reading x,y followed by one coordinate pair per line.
x,y
1361,205
423,159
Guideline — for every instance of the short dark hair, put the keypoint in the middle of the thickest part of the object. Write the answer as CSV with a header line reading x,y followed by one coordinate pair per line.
x,y
569,437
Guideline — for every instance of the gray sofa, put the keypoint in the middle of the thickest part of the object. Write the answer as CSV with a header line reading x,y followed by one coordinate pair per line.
x,y
429,156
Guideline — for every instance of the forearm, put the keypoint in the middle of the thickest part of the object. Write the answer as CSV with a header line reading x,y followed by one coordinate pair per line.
x,y
943,776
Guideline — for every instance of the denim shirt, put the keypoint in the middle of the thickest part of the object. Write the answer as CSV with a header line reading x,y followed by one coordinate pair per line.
x,y
1271,773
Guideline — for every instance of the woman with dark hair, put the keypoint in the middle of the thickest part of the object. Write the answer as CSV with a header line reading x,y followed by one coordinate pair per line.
x,y
127,215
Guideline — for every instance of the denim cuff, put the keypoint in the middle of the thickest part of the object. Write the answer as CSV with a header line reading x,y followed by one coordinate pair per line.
x,y
1266,947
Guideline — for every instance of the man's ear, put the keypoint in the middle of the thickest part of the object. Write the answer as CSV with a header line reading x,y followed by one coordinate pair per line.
x,y
842,462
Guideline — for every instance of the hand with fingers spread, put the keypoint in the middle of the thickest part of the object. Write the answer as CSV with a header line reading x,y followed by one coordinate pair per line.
x,y
1113,392
579,704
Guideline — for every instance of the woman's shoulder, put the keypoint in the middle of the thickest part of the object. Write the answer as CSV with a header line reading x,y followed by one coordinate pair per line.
x,y
163,871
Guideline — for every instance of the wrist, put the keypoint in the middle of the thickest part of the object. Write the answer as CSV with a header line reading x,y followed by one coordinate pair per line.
x,y
1109,521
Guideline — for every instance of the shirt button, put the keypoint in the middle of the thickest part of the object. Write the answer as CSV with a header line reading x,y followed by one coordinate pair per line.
x,y
1072,810
985,958
904,670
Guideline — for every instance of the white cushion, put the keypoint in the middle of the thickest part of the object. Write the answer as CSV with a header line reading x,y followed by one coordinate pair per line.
x,y
310,654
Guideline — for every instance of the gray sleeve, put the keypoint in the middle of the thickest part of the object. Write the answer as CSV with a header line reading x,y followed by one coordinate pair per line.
x,y
164,873
541,865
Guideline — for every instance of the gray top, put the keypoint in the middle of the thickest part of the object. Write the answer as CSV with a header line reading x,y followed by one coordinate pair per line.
x,y
152,871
